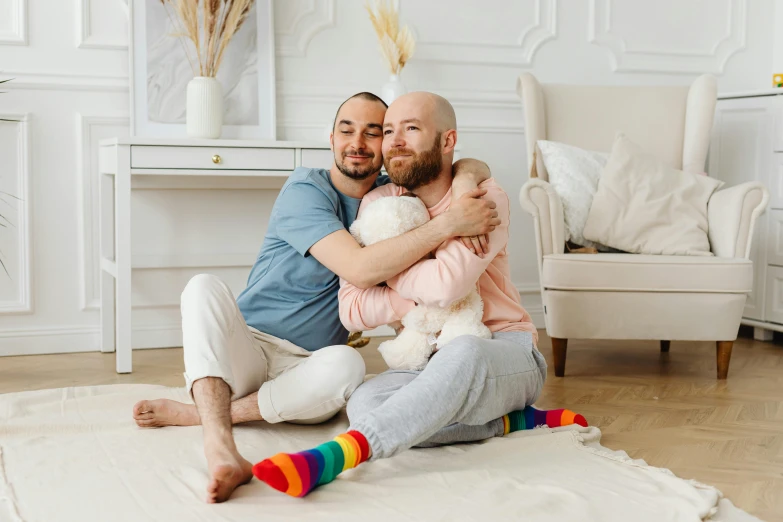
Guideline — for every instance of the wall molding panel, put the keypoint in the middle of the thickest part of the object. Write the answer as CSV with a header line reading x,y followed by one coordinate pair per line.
x,y
84,32
626,56
20,222
45,80
313,17
14,30
334,95
89,251
487,49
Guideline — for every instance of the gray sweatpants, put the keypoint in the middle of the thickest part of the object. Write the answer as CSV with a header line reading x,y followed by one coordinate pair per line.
x,y
460,396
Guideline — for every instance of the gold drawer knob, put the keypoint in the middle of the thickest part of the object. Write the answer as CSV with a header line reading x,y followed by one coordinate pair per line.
x,y
216,158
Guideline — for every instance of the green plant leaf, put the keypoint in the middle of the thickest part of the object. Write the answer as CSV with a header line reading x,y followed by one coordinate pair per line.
x,y
2,263
4,268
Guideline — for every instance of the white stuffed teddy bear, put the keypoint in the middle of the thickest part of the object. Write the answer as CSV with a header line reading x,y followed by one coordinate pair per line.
x,y
392,216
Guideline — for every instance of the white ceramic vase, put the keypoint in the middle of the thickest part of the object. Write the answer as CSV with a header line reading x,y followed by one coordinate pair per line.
x,y
204,116
392,89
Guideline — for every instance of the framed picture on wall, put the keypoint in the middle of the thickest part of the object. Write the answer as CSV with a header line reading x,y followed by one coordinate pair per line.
x,y
160,71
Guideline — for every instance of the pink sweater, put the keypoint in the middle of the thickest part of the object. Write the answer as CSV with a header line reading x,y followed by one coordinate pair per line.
x,y
443,280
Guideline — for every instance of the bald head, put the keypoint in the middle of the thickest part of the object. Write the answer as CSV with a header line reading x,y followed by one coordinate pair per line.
x,y
429,108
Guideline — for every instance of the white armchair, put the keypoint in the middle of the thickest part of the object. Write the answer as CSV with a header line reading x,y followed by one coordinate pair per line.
x,y
634,296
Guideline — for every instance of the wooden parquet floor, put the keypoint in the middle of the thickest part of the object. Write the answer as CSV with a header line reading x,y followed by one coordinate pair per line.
x,y
667,409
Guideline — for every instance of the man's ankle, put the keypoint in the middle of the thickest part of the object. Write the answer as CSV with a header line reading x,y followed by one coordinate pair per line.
x,y
220,436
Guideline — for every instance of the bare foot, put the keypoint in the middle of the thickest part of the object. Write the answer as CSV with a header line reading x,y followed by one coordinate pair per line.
x,y
165,412
227,470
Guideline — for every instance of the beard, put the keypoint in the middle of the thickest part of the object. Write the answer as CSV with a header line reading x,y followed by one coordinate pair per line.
x,y
357,172
422,168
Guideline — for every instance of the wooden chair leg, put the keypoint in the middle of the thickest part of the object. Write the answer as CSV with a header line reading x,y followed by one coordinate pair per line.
x,y
559,353
665,346
723,355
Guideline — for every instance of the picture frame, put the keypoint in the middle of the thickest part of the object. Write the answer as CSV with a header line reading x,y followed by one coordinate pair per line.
x,y
159,72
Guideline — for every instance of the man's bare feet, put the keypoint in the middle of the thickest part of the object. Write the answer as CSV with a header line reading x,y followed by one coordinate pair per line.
x,y
165,412
228,470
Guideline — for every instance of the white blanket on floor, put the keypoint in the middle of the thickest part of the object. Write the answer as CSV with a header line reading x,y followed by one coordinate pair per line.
x,y
75,454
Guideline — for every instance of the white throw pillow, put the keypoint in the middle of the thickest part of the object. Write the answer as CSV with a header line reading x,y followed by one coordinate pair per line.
x,y
574,174
643,206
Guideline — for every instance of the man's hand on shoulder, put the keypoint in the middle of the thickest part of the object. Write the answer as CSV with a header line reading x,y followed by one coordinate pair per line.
x,y
468,175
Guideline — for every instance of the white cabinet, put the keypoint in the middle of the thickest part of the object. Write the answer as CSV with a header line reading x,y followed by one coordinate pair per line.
x,y
747,145
776,183
774,303
775,238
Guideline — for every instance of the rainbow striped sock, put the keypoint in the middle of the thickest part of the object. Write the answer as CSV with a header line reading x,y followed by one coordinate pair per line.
x,y
297,474
530,417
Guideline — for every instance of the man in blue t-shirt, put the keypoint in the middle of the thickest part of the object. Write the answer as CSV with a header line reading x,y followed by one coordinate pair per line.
x,y
277,352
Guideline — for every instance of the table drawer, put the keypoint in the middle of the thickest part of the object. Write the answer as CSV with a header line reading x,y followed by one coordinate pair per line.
x,y
211,158
774,309
317,158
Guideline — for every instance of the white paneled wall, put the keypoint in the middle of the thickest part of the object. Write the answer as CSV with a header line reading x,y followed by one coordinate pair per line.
x,y
69,60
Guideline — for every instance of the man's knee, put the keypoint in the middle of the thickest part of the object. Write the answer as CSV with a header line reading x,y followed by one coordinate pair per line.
x,y
465,350
201,285
376,391
343,369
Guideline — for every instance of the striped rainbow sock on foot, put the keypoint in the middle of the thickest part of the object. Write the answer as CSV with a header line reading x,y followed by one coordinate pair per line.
x,y
530,417
297,474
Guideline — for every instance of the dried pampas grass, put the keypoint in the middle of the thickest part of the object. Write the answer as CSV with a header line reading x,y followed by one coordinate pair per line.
x,y
210,31
397,45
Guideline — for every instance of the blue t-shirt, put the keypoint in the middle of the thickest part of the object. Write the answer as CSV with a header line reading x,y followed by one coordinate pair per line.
x,y
289,293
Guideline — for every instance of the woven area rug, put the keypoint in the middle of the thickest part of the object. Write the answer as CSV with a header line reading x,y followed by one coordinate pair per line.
x,y
75,454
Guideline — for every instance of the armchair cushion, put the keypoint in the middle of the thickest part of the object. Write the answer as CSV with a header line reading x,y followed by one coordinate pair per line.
x,y
643,206
646,273
574,174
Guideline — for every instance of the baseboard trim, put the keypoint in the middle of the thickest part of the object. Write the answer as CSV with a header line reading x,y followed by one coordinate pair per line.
x,y
50,340
763,324
57,339
54,340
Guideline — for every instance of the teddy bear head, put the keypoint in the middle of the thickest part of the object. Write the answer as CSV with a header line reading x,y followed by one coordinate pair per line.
x,y
389,217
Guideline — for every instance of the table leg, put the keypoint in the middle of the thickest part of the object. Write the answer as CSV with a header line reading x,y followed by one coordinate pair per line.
x,y
122,205
106,237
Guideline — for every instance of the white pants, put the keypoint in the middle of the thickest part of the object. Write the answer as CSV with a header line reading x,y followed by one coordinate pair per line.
x,y
293,384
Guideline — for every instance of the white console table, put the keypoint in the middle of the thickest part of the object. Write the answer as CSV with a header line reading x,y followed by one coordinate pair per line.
x,y
127,163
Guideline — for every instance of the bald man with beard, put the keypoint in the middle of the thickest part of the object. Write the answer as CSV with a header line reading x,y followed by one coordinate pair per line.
x,y
472,388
